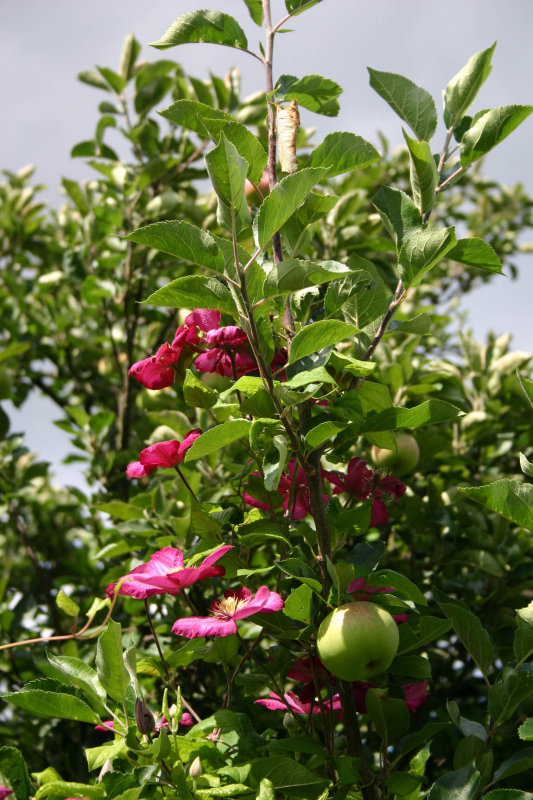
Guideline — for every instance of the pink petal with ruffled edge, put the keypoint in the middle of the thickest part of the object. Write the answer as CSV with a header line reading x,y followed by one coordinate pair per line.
x,y
229,336
189,440
156,372
161,454
194,627
216,554
264,602
204,318
138,470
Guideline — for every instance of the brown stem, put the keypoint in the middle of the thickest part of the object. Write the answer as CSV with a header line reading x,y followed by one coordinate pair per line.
x,y
369,790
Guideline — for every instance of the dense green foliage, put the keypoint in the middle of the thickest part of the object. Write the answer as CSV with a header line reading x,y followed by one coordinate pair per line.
x,y
343,282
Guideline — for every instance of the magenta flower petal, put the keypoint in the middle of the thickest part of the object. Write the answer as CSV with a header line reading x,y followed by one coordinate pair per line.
x,y
189,440
5,792
156,372
229,336
164,573
138,470
161,454
264,602
204,318
108,725
216,555
194,627
273,703
416,694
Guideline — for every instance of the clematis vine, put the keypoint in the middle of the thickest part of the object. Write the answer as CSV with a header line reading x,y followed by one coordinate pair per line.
x,y
225,613
362,483
291,701
165,573
163,454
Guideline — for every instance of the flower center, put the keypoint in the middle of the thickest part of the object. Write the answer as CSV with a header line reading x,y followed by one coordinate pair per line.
x,y
226,608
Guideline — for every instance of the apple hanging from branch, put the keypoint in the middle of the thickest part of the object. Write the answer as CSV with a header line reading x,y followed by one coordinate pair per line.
x,y
402,461
357,641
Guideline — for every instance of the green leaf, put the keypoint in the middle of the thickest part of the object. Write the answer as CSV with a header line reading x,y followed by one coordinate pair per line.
x,y
424,174
523,639
361,297
322,433
120,510
526,466
81,675
130,50
295,274
93,78
476,253
469,630
57,790
388,577
411,666
422,251
429,412
419,325
509,498
288,775
283,201
266,787
312,92
343,152
213,27
109,662
218,437
97,756
195,393
116,82
298,605
399,214
130,662
507,694
317,335
255,7
463,87
508,794
390,716
49,698
430,628
67,604
181,240
461,784
525,383
13,769
193,291
292,6
489,128
227,170
208,121
519,762
314,207
525,731
274,462
412,103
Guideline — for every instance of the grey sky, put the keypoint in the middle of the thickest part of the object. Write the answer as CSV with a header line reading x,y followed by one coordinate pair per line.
x,y
43,45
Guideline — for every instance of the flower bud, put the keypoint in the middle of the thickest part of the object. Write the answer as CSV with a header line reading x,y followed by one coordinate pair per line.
x,y
195,770
144,718
288,721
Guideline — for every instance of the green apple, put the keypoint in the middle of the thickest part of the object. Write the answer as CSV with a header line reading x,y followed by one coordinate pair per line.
x,y
357,641
401,462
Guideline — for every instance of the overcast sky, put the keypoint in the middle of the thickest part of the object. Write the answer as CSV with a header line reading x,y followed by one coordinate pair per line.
x,y
45,110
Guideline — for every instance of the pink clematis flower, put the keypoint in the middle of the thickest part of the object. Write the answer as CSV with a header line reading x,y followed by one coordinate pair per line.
x,y
313,674
5,792
163,454
362,483
292,702
234,606
297,506
165,573
416,694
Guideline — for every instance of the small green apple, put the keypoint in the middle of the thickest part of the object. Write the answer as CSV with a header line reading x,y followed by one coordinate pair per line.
x,y
401,462
357,641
